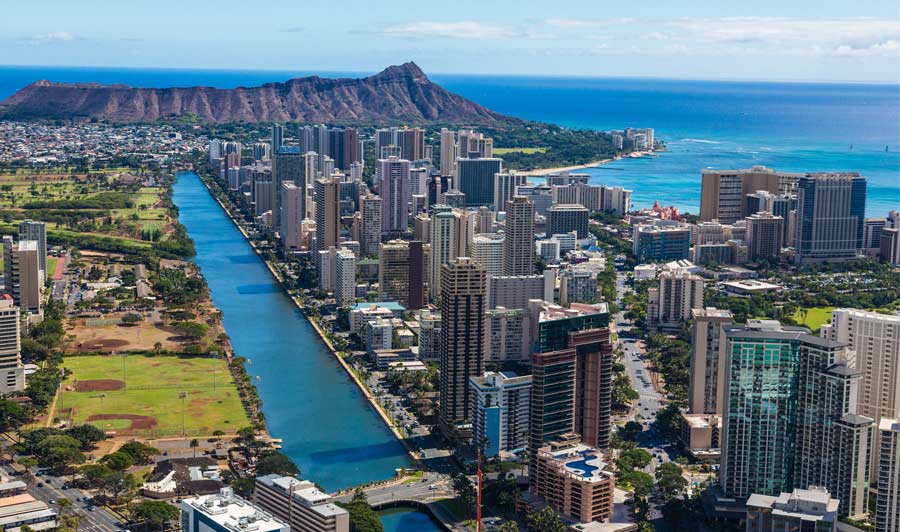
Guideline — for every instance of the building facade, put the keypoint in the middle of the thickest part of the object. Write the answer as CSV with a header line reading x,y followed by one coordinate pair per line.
x,y
830,216
887,505
12,373
518,242
300,504
463,306
500,410
707,372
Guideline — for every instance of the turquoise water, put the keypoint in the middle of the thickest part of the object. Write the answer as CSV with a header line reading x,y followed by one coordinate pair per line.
x,y
407,520
802,127
328,427
797,127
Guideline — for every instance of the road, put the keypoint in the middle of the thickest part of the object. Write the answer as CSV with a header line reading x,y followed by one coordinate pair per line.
x,y
649,401
434,458
432,486
50,490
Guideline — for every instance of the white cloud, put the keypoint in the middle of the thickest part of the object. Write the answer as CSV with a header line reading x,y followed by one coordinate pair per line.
x,y
873,36
746,36
56,36
587,22
460,30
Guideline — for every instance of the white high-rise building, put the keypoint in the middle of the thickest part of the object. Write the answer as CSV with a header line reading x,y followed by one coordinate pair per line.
x,y
671,303
293,203
23,277
344,277
875,340
370,231
505,186
37,231
392,176
887,474
500,411
12,373
448,151
487,249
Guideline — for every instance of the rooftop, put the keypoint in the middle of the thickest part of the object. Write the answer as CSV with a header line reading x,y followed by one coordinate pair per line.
x,y
550,311
888,424
580,461
390,305
305,493
234,513
813,504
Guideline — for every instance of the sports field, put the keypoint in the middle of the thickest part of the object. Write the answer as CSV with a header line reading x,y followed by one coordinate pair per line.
x,y
140,395
813,317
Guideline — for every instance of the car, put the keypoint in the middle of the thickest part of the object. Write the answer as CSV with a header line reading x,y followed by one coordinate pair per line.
x,y
91,508
52,501
40,484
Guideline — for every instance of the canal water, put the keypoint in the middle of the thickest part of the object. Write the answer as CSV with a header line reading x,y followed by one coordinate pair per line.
x,y
328,428
407,520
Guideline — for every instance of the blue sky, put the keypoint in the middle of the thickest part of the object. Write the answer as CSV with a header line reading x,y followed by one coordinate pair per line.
x,y
855,40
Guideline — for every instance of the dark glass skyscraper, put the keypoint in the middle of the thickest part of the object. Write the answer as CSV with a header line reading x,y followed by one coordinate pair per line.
x,y
830,216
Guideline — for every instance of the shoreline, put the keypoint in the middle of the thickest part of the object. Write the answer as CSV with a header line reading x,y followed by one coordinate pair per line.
x,y
319,332
543,172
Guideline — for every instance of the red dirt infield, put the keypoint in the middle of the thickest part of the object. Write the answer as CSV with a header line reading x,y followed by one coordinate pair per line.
x,y
137,422
99,385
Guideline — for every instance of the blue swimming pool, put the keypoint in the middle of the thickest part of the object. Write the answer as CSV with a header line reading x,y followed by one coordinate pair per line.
x,y
582,466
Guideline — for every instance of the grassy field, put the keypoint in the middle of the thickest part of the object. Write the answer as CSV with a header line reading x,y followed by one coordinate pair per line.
x,y
503,151
147,403
146,214
813,317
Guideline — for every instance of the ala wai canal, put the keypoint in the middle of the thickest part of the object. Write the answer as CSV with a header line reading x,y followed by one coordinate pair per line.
x,y
328,427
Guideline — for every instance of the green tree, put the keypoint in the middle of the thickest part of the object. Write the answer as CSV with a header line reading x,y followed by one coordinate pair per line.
x,y
141,453
157,515
96,475
118,461
641,483
88,435
120,486
274,462
194,444
12,415
508,526
131,319
545,520
670,480
192,330
634,459
362,517
631,430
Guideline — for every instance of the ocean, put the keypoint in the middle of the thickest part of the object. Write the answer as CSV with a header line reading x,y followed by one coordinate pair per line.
x,y
798,127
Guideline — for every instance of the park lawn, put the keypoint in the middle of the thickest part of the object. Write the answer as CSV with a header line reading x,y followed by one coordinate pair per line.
x,y
814,318
153,385
51,267
503,151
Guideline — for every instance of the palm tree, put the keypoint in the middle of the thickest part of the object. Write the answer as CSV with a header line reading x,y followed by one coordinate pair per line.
x,y
194,444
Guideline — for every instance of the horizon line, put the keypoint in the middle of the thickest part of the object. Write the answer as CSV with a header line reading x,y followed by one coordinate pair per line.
x,y
469,74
